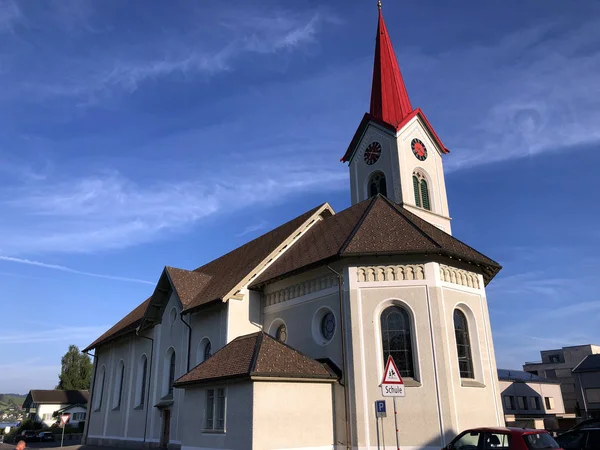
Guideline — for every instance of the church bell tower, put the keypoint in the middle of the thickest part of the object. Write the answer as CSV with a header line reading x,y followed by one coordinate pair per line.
x,y
395,150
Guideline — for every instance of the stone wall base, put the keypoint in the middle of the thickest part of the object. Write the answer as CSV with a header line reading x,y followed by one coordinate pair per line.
x,y
131,444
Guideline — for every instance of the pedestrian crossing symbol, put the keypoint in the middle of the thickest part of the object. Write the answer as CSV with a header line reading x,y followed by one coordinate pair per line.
x,y
392,384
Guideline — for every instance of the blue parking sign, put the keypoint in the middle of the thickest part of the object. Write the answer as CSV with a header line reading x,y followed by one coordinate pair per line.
x,y
380,408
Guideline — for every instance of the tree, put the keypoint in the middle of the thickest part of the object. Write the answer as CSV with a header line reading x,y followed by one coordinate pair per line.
x,y
76,371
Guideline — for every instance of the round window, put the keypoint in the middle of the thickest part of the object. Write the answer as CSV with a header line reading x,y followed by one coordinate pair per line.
x,y
328,326
281,334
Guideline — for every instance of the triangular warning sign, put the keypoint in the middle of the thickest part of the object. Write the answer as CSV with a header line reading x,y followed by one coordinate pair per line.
x,y
391,374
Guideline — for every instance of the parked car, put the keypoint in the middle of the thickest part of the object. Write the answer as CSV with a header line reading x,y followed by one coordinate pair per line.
x,y
45,436
28,436
583,438
588,423
502,438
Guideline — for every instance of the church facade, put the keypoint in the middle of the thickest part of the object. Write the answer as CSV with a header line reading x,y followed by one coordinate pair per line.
x,y
282,343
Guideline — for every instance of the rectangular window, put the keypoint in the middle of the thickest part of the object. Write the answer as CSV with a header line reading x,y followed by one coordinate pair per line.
x,y
536,403
523,403
215,410
79,416
47,417
551,374
549,402
592,395
509,402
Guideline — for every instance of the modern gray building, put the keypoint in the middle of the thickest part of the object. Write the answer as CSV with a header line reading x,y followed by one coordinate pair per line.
x,y
587,381
558,365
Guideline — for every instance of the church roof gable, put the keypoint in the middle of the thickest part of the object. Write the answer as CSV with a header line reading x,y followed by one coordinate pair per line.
x,y
373,227
255,355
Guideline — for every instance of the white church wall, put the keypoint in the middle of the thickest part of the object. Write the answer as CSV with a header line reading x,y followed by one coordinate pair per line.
x,y
290,415
243,315
208,325
301,302
432,168
238,420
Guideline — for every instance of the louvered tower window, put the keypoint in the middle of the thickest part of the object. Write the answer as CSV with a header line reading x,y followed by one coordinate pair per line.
x,y
377,184
421,191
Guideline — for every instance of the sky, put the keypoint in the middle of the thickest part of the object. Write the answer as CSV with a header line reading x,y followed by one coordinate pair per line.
x,y
135,135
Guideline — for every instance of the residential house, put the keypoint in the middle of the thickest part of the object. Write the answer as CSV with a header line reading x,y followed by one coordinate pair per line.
x,y
282,342
557,365
587,381
530,400
43,405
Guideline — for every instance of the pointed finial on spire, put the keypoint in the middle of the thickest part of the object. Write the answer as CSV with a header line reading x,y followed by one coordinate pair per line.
x,y
379,4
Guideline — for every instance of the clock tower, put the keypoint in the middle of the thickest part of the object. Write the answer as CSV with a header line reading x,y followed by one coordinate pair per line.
x,y
395,150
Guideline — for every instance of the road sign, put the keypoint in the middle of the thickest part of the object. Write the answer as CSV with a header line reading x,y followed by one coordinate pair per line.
x,y
64,418
380,408
392,384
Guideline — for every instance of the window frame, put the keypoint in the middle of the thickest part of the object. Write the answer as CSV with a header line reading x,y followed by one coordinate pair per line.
x,y
421,184
466,342
409,349
216,421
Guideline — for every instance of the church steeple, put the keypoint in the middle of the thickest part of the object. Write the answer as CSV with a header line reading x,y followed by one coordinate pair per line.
x,y
389,99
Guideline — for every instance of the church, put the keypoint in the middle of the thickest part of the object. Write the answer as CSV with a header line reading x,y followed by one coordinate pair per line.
x,y
282,342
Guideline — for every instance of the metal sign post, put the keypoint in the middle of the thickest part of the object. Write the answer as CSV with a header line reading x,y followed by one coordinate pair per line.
x,y
380,413
393,386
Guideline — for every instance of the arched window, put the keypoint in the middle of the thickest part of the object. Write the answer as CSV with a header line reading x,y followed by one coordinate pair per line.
x,y
119,379
397,340
100,387
377,184
204,351
169,373
421,191
463,344
141,382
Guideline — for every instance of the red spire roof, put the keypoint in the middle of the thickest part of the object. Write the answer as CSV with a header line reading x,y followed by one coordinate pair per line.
x,y
389,99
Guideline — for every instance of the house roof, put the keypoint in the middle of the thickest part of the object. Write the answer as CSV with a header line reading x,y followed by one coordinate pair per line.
x,y
375,226
56,396
256,355
591,363
209,282
523,377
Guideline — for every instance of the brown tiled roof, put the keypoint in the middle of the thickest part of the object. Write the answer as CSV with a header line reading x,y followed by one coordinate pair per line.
x,y
221,275
255,355
373,227
56,396
124,326
213,280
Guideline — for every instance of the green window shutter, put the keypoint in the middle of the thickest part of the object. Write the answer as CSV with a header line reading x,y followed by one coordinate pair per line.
x,y
416,187
425,195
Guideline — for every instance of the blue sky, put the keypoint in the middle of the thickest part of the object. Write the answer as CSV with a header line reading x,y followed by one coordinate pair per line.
x,y
135,135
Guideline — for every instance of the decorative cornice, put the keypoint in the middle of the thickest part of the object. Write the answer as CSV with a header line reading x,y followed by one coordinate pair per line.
x,y
300,289
459,276
411,272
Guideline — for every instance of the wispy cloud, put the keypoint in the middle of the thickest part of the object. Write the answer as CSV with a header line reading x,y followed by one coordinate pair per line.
x,y
534,91
58,334
9,15
69,270
107,211
252,228
187,53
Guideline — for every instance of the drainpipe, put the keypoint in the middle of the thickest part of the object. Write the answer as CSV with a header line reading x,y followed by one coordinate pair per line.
x,y
189,347
344,362
91,398
137,333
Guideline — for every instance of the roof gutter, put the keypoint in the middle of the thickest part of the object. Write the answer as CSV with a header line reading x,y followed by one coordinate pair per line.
x,y
91,397
344,362
147,395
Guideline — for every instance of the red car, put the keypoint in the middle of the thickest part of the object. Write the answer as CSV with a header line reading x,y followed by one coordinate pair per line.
x,y
503,438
